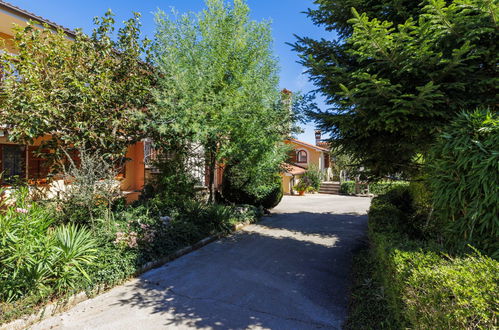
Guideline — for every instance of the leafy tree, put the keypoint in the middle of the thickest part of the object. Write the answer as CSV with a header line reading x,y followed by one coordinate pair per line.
x,y
218,85
83,92
398,72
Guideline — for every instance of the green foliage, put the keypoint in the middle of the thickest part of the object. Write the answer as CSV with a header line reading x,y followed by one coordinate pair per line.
x,y
93,189
404,208
399,72
218,85
84,92
239,188
464,290
347,188
40,260
274,196
303,185
368,307
174,184
37,258
424,286
376,188
464,179
314,177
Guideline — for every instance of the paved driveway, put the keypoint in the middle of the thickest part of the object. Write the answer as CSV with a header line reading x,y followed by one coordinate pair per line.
x,y
290,271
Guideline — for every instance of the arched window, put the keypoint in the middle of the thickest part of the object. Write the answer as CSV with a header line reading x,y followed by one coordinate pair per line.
x,y
301,157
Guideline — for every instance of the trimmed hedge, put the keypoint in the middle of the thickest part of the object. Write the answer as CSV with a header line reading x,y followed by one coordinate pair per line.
x,y
376,188
425,287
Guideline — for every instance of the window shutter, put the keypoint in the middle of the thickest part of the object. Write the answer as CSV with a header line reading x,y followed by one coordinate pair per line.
x,y
37,166
1,163
292,156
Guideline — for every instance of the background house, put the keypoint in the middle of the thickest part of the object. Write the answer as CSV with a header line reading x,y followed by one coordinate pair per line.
x,y
304,156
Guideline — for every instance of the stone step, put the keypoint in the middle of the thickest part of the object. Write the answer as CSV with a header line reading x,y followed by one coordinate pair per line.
x,y
329,192
332,188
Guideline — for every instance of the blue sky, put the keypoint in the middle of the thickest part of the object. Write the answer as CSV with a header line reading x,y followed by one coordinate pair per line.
x,y
286,16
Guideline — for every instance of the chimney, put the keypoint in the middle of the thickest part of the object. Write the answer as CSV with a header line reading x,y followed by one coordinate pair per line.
x,y
318,135
287,98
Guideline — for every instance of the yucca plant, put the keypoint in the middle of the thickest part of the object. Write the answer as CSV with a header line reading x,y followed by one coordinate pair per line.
x,y
74,249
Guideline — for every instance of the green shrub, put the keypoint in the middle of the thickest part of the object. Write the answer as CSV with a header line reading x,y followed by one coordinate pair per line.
x,y
424,285
314,177
274,197
464,173
456,293
36,257
426,289
239,189
376,188
347,188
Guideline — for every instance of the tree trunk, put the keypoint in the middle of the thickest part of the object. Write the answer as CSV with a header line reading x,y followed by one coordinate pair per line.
x,y
211,175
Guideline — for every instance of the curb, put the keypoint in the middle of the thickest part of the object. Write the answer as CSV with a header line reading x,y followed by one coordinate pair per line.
x,y
64,304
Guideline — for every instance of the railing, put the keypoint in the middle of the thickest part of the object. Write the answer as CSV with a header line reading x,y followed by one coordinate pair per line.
x,y
195,163
150,154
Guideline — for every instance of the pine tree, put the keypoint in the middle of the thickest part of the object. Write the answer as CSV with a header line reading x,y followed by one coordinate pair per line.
x,y
399,72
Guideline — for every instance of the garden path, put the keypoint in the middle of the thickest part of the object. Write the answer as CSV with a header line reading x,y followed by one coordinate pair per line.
x,y
289,271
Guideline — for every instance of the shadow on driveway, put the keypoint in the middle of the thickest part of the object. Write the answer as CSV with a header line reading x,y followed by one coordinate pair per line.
x,y
278,274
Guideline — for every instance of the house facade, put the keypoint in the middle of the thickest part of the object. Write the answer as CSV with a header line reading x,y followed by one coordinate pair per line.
x,y
304,156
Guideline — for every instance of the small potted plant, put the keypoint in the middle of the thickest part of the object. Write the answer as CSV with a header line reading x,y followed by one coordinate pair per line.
x,y
302,186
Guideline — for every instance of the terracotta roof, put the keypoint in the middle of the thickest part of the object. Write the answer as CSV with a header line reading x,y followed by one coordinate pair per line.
x,y
309,145
30,16
294,169
323,144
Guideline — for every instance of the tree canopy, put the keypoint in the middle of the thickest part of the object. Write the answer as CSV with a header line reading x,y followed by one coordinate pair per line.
x,y
82,92
218,85
398,72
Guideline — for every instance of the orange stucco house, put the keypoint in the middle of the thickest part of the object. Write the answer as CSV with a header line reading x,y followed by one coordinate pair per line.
x,y
19,160
304,155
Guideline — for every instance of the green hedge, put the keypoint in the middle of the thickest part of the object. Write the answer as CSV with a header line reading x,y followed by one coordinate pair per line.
x,y
425,287
376,188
